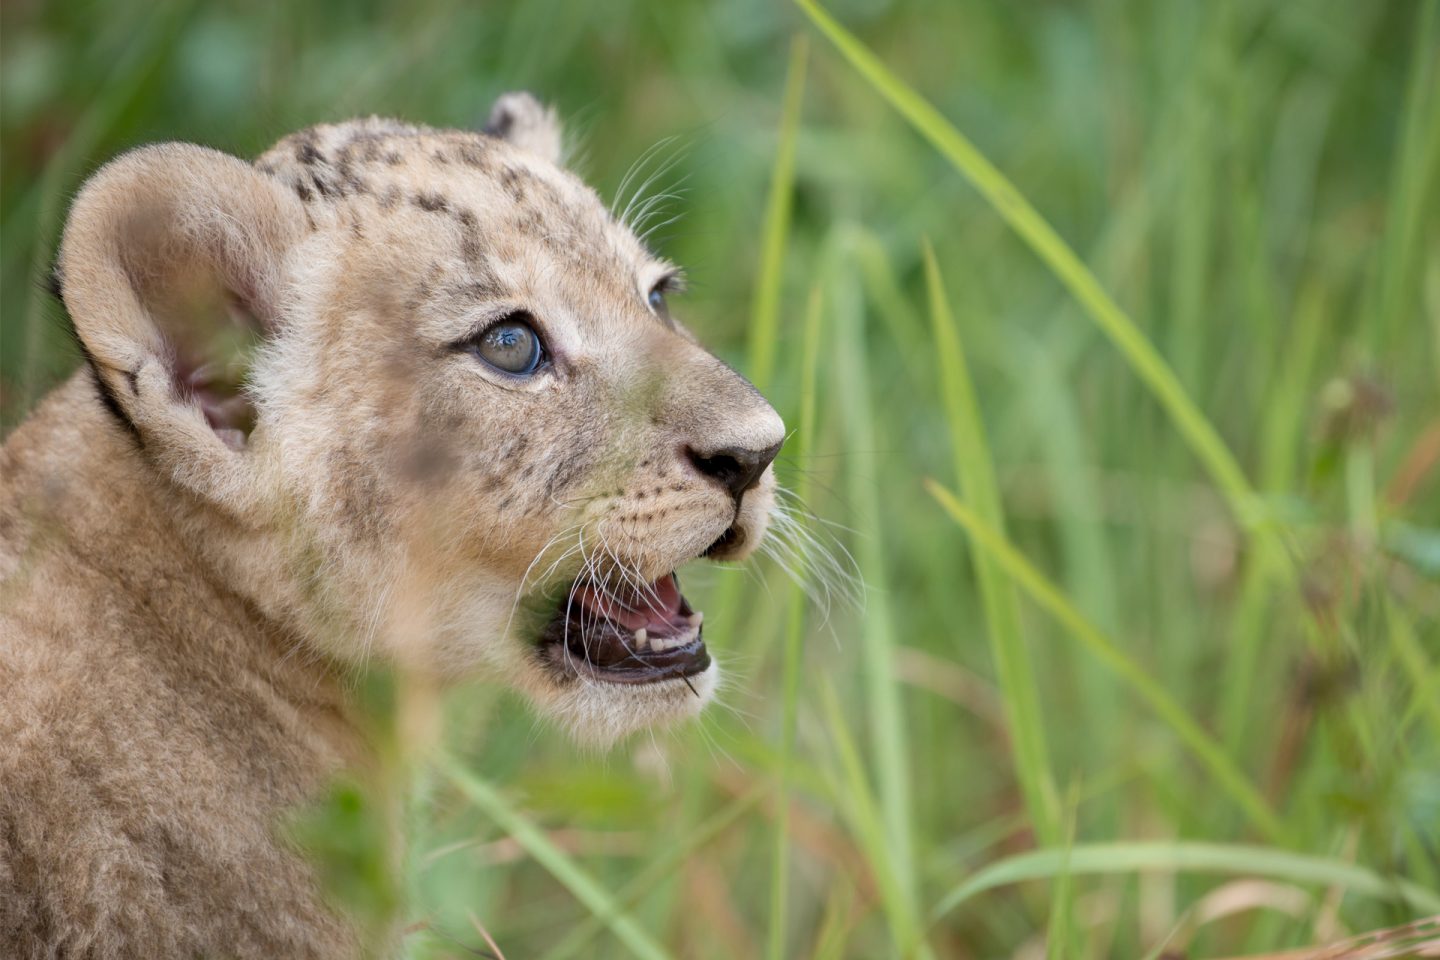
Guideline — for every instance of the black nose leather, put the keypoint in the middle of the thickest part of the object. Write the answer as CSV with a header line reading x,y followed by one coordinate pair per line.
x,y
737,469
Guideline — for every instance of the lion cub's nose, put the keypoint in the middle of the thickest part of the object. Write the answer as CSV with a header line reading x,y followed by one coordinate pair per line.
x,y
737,469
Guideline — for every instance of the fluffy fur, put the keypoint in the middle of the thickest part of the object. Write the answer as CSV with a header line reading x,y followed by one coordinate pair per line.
x,y
190,571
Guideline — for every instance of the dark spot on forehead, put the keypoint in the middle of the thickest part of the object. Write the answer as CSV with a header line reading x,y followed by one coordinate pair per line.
x,y
304,193
306,153
513,181
369,141
430,202
547,192
529,221
471,154
484,286
352,181
470,247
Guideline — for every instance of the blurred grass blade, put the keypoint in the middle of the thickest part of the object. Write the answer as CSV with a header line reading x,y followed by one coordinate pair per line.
x,y
794,636
775,236
582,937
764,331
974,467
887,719
883,290
1062,261
1185,857
1060,927
1284,420
1054,602
1425,697
866,820
1402,241
524,832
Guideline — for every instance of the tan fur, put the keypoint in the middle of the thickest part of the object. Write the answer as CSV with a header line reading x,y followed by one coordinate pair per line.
x,y
182,602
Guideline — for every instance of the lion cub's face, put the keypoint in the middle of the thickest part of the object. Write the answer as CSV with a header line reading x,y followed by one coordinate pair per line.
x,y
472,435
475,436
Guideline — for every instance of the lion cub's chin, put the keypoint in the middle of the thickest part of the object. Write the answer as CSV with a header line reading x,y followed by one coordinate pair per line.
x,y
599,714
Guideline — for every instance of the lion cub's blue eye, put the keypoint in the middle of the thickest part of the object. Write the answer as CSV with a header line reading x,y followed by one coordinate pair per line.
x,y
511,345
657,301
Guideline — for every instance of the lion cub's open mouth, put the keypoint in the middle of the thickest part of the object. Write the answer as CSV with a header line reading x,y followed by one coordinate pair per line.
x,y
625,634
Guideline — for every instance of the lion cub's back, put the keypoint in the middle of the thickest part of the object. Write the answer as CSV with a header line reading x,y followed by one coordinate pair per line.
x,y
137,814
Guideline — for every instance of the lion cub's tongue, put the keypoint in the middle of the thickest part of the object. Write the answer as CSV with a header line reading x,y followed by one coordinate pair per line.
x,y
655,609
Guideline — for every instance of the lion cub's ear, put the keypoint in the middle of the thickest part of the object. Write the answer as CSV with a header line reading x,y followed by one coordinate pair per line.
x,y
172,258
526,122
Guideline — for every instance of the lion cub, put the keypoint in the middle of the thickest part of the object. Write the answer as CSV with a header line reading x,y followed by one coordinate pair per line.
x,y
466,436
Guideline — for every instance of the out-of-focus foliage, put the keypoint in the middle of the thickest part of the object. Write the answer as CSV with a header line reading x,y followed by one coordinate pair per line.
x,y
1253,182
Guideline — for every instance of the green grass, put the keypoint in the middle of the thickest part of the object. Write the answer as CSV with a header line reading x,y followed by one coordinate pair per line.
x,y
1154,287
775,235
1045,594
564,868
1194,858
1041,237
794,640
976,471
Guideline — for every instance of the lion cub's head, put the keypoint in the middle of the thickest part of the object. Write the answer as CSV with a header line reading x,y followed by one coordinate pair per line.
x,y
469,435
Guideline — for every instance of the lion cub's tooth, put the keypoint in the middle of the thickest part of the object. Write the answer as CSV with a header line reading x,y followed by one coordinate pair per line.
x,y
697,618
642,639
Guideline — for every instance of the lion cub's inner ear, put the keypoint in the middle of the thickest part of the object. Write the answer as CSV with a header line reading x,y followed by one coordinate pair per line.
x,y
526,122
171,268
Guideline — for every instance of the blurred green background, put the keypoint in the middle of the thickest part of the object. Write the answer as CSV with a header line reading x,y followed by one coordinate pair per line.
x,y
1222,717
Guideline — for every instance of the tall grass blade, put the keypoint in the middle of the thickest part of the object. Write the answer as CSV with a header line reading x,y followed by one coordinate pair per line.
x,y
974,467
582,938
1060,929
870,830
1037,233
1187,857
1425,678
1205,748
1414,177
764,330
887,720
794,638
574,878
775,236
1284,421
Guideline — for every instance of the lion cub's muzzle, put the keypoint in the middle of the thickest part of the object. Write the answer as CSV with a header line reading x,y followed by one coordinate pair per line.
x,y
638,633
627,634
